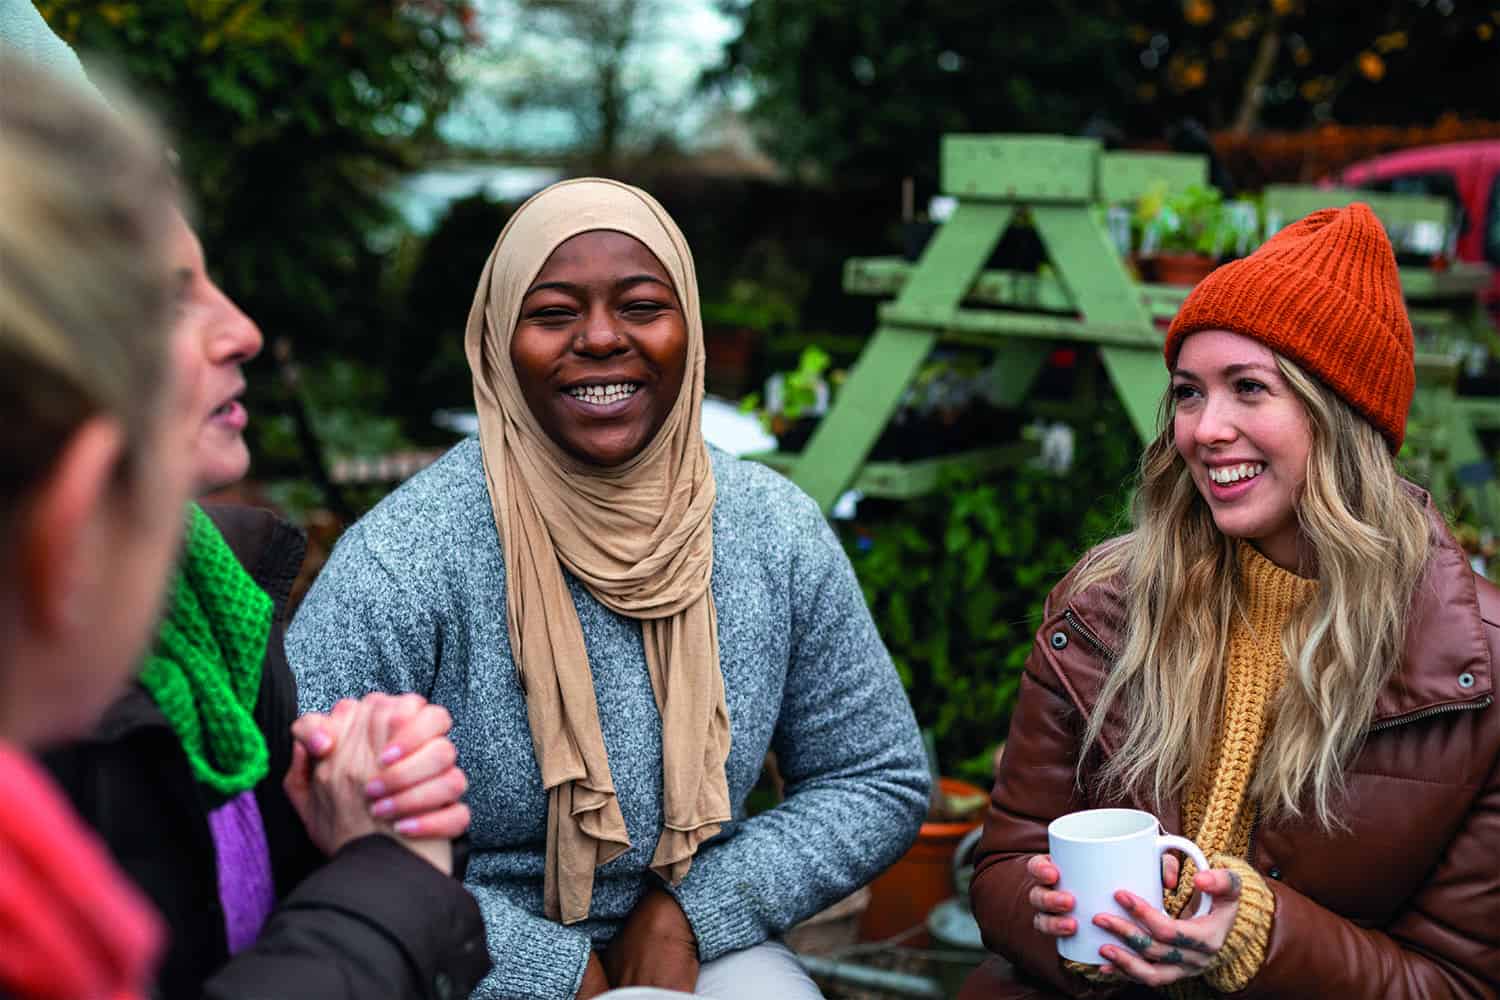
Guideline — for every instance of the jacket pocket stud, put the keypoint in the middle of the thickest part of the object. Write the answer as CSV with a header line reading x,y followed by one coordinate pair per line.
x,y
1059,640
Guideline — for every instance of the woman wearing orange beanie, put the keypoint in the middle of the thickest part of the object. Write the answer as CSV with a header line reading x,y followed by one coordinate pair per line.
x,y
1287,659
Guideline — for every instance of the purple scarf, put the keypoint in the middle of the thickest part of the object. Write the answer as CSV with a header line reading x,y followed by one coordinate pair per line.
x,y
246,889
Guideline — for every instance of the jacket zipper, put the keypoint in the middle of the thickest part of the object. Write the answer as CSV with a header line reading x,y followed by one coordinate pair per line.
x,y
1402,720
1427,713
1087,636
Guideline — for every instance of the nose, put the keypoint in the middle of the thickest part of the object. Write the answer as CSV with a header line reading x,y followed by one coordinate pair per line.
x,y
597,336
1215,422
232,338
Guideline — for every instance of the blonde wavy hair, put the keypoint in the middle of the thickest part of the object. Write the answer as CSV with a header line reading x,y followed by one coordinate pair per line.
x,y
1367,536
85,277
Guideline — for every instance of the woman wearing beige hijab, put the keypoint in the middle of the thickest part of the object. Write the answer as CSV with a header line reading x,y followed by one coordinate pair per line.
x,y
623,622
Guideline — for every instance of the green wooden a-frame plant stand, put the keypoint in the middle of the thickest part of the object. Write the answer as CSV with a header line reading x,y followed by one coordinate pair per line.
x,y
1087,296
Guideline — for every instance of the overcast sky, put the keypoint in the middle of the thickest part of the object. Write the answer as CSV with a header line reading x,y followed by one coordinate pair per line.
x,y
680,39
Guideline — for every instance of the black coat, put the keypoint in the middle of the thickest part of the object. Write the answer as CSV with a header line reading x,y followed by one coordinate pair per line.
x,y
372,922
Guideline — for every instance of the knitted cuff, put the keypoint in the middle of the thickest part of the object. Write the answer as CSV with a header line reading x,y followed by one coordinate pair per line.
x,y
1091,972
1245,948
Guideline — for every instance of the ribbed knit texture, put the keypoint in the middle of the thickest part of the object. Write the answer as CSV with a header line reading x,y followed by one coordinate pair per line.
x,y
204,673
1324,292
1216,815
247,887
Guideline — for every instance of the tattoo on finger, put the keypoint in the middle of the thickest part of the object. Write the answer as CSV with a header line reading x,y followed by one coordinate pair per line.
x,y
1183,941
1234,883
1173,957
1138,942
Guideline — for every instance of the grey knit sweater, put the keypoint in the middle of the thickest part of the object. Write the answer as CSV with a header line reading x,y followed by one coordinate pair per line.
x,y
413,599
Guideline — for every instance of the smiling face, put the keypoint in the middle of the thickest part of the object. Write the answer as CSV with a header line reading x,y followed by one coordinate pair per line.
x,y
600,347
228,339
1245,437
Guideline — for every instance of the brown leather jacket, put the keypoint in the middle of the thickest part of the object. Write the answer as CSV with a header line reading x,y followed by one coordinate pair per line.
x,y
1403,903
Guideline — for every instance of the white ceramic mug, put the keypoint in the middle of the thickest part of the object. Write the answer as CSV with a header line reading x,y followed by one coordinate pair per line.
x,y
1101,851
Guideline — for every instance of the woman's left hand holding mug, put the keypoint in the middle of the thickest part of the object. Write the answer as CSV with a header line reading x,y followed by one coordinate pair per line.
x,y
1169,950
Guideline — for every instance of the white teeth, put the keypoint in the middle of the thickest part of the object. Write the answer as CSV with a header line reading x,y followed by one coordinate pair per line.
x,y
603,395
1226,474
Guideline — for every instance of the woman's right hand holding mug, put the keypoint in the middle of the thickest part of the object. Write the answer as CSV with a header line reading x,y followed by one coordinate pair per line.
x,y
1053,908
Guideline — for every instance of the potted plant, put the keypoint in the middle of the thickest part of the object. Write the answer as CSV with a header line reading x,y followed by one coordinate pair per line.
x,y
903,895
733,328
1183,235
945,409
794,400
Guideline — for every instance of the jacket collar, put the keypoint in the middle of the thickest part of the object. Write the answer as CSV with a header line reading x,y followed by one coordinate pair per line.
x,y
269,548
1446,663
271,551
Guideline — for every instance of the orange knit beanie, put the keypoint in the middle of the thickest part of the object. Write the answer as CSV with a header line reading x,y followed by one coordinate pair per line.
x,y
1324,293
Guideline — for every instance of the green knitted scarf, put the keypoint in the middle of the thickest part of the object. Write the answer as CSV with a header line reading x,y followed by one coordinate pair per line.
x,y
204,673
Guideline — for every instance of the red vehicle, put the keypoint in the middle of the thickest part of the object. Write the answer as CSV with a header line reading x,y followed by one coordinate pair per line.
x,y
1468,175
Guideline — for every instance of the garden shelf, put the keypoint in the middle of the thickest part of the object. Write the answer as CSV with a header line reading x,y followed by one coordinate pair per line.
x,y
1085,293
888,480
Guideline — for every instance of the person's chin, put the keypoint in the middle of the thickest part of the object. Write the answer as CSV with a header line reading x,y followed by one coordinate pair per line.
x,y
222,466
1244,524
607,456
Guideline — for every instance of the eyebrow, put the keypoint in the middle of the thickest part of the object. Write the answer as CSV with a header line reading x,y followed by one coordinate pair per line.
x,y
625,282
1229,370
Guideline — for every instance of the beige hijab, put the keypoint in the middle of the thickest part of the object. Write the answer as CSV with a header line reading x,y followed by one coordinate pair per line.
x,y
638,535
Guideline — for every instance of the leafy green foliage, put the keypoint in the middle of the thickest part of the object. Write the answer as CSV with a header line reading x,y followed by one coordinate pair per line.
x,y
853,91
863,91
289,118
956,580
799,390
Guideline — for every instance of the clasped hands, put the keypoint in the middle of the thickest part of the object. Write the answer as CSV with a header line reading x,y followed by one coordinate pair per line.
x,y
383,764
1158,950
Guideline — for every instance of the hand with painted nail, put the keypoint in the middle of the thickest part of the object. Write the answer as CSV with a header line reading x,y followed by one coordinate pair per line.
x,y
1159,950
1053,909
420,785
331,794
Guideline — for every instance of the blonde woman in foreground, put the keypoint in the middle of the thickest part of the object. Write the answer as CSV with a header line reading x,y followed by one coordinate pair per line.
x,y
94,385
1288,659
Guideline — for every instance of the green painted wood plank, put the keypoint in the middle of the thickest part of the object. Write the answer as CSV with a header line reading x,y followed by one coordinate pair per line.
x,y
949,265
907,480
1140,379
860,412
1291,202
1482,413
1125,175
955,255
1455,283
1089,267
1027,168
1017,365
977,326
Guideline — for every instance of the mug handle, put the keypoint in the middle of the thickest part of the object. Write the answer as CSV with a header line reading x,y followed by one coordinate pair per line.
x,y
1173,843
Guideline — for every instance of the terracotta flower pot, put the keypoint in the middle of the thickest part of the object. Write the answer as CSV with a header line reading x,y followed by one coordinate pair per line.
x,y
830,930
1183,268
901,898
